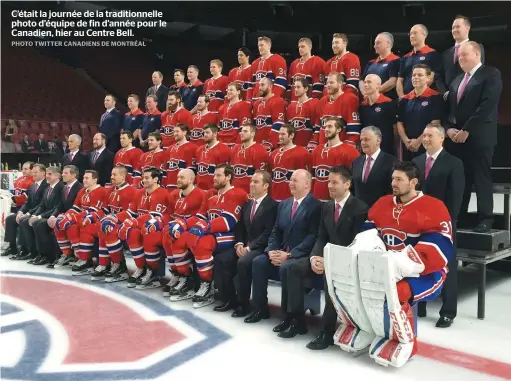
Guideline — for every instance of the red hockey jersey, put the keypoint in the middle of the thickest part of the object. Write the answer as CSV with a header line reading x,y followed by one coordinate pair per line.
x,y
324,158
333,65
119,198
215,89
345,107
245,161
21,186
153,204
268,117
273,67
199,120
89,201
304,118
207,159
181,206
282,165
148,160
179,156
169,120
312,70
129,159
351,65
231,117
243,77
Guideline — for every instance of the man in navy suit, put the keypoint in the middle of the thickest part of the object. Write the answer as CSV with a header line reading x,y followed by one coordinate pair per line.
x,y
75,156
159,90
110,124
292,237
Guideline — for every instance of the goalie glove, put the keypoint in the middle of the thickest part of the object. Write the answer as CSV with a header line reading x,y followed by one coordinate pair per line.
x,y
90,218
201,228
108,223
155,224
407,263
126,226
177,227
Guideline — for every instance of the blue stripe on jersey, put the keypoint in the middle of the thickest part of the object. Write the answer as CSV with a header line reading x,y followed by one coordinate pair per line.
x,y
76,209
281,82
426,288
443,243
230,220
276,126
368,225
386,320
353,128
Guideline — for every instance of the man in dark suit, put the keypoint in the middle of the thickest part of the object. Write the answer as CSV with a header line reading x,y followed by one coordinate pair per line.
x,y
472,128
12,222
41,145
442,177
252,233
101,159
452,68
110,124
50,205
292,237
75,156
26,145
372,172
161,91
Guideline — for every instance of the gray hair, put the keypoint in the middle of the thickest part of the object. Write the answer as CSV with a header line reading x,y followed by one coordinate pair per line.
x,y
438,127
389,37
77,137
54,169
375,130
424,29
73,169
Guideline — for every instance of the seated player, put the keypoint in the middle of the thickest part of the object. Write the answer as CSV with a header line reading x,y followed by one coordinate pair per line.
x,y
147,212
211,230
86,209
128,157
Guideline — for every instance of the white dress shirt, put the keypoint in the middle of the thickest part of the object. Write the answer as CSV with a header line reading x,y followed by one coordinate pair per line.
x,y
471,72
435,155
374,156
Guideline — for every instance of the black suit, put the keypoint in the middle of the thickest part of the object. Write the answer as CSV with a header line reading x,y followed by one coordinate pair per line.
x,y
342,233
162,95
67,202
80,160
103,165
26,146
446,182
253,234
41,146
110,124
452,69
378,183
476,113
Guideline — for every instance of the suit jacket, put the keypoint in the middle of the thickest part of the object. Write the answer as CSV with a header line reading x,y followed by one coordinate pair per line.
x,y
111,126
446,180
255,233
41,146
451,69
50,206
25,145
477,111
68,202
353,215
103,165
379,181
80,160
296,235
34,197
162,95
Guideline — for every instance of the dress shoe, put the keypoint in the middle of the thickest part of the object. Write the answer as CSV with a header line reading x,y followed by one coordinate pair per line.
x,y
230,305
283,325
35,259
50,265
41,261
241,311
256,316
297,327
16,256
322,341
482,228
444,322
27,256
7,252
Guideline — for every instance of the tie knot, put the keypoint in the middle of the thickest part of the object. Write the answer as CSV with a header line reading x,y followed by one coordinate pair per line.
x,y
430,159
467,75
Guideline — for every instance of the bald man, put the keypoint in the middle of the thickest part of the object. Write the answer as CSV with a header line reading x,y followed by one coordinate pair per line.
x,y
293,237
378,110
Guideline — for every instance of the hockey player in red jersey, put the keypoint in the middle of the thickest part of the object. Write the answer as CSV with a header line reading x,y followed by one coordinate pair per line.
x,y
155,158
285,160
302,114
247,157
86,210
242,74
268,115
21,184
308,67
170,118
128,157
339,104
216,86
201,118
203,236
181,155
330,154
269,65
232,115
209,155
344,62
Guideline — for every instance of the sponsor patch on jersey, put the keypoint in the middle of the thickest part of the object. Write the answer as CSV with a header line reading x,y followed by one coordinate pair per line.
x,y
425,103
394,239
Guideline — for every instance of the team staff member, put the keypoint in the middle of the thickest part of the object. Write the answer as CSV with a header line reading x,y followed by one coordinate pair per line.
x,y
134,118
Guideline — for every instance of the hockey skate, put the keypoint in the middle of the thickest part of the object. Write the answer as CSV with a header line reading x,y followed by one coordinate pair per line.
x,y
63,261
82,268
204,296
132,280
118,272
148,280
172,283
183,290
99,273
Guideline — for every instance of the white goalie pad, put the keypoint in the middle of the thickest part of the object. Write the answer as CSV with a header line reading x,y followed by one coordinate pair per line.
x,y
5,210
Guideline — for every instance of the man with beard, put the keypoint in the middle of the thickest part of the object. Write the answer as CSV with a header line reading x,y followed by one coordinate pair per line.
x,y
200,119
344,62
232,115
101,159
128,156
181,155
242,74
174,114
155,158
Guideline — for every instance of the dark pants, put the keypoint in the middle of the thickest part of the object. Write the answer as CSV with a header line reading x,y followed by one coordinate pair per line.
x,y
244,277
224,273
45,241
11,232
27,237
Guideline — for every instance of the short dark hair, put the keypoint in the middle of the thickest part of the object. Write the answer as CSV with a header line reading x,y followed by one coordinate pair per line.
x,y
213,127
266,176
42,167
464,18
342,171
245,51
291,130
228,170
409,168
423,66
135,97
128,133
73,169
111,96
93,173
155,135
180,71
155,173
340,124
176,94
250,125
305,83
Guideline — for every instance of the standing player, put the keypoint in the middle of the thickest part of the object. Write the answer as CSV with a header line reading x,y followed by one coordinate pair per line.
x,y
128,157
201,118
247,157
21,184
209,155
307,67
155,158
242,74
134,118
330,154
203,237
181,155
175,114
271,66
232,115
216,86
302,114
344,62
285,160
268,115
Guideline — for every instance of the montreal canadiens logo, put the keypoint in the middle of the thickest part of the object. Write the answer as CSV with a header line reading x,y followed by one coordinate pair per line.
x,y
260,122
299,124
377,109
173,164
227,124
196,134
280,175
240,170
260,75
322,172
425,103
422,58
394,239
71,330
168,130
202,169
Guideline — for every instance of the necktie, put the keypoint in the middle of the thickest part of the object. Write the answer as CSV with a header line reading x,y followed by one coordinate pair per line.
x,y
155,89
429,164
456,49
66,192
252,212
462,87
49,192
96,155
293,211
103,117
367,168
36,187
337,212
71,156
